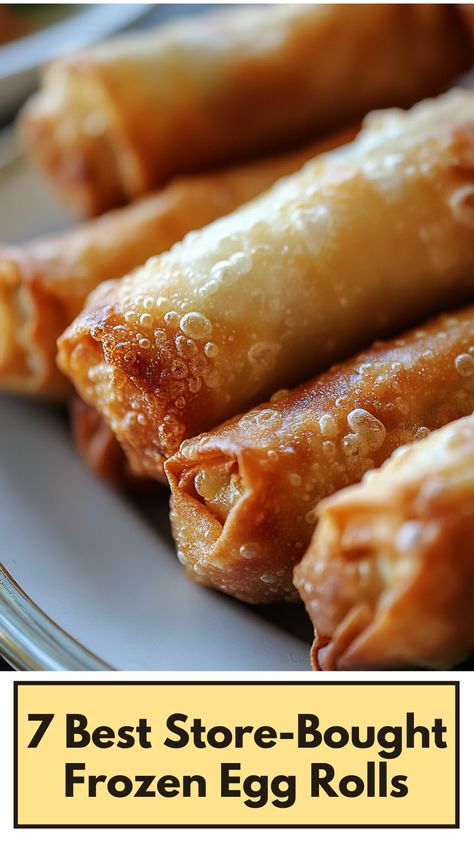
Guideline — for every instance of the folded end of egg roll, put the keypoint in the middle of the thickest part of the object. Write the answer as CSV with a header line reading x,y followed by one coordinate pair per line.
x,y
389,576
225,510
30,321
68,129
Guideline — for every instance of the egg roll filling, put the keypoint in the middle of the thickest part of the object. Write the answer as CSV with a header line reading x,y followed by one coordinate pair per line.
x,y
215,484
216,495
219,490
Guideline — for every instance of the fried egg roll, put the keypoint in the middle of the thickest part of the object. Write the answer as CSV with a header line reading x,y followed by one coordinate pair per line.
x,y
43,284
388,580
244,496
118,119
362,242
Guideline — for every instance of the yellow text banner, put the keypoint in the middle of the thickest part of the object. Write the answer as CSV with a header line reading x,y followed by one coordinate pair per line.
x,y
236,754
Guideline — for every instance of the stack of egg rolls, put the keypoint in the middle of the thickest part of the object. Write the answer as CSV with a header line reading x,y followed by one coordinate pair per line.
x,y
115,120
244,496
363,241
389,577
44,283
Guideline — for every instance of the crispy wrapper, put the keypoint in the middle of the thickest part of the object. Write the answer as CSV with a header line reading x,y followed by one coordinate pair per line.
x,y
362,242
115,120
43,284
388,579
244,496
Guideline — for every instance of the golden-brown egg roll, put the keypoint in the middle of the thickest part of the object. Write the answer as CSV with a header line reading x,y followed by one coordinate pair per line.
x,y
43,284
115,120
244,495
388,579
362,242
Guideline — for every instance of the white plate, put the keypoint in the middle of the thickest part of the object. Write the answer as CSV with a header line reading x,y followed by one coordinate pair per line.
x,y
104,573
21,59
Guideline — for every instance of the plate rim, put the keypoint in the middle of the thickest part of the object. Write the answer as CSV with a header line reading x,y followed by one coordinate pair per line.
x,y
31,640
98,21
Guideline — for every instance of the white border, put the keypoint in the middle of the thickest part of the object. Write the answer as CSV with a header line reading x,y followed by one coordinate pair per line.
x,y
465,832
466,680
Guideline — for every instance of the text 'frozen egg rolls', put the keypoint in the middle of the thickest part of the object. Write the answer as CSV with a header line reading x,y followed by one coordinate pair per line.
x,y
361,242
115,120
244,496
388,580
44,283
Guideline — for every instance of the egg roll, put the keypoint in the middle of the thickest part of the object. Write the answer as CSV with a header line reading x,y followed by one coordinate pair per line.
x,y
388,579
43,284
362,242
118,119
244,496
